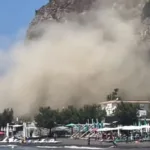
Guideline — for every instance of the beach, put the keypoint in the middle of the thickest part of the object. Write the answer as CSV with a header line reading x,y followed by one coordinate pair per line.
x,y
74,144
61,148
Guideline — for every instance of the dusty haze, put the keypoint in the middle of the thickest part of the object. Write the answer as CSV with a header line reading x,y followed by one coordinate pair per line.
x,y
77,64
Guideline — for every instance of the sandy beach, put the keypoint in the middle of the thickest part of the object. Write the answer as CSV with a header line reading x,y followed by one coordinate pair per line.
x,y
83,143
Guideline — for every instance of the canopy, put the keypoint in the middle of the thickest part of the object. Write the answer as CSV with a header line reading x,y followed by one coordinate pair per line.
x,y
144,126
122,128
108,129
131,128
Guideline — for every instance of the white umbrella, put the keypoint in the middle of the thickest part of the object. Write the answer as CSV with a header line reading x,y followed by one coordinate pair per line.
x,y
2,129
10,130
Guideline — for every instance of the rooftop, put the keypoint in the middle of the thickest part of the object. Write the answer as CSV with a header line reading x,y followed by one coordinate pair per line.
x,y
127,101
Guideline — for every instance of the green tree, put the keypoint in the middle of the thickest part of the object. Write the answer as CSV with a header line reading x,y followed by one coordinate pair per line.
x,y
46,118
91,112
81,115
6,116
70,115
126,113
49,118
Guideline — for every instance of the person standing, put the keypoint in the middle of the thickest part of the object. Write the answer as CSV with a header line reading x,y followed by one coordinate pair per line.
x,y
55,136
114,141
89,140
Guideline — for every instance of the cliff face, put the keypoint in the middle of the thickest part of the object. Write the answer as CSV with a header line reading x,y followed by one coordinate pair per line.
x,y
59,10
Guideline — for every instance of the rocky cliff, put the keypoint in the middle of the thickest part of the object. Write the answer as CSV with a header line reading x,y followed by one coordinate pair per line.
x,y
59,10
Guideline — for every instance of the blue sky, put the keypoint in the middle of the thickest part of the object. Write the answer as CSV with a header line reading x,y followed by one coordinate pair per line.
x,y
15,16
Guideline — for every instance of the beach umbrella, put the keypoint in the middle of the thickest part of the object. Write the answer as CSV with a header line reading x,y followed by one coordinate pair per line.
x,y
76,128
1,133
94,130
94,125
98,125
145,122
2,129
10,129
139,123
92,121
88,121
86,128
71,125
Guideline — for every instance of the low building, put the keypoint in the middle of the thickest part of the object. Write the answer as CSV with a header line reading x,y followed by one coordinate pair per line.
x,y
110,106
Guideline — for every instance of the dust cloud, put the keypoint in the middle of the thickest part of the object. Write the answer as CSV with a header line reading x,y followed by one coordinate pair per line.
x,y
77,63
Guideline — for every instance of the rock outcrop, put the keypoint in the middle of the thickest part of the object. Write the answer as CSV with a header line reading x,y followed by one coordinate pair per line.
x,y
56,10
59,10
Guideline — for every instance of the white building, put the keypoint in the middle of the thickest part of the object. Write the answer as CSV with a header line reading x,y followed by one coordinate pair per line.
x,y
110,106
